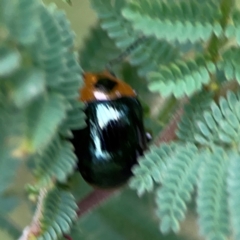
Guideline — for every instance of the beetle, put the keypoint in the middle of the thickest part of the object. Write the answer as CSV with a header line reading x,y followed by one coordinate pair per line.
x,y
114,138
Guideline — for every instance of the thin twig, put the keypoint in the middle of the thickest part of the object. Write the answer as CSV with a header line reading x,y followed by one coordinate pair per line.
x,y
34,228
92,200
169,132
67,237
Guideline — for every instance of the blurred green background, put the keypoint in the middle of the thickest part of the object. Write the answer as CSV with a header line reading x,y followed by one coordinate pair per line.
x,y
124,216
82,17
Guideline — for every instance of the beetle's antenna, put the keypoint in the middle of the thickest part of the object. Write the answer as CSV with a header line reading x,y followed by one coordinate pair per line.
x,y
125,53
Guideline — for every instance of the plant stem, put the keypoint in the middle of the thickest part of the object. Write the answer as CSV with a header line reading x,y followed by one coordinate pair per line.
x,y
67,237
92,200
34,228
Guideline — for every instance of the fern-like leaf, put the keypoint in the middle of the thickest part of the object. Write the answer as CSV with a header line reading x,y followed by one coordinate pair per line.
x,y
40,80
96,54
181,78
52,67
192,113
53,53
151,168
56,162
112,21
233,190
21,27
230,64
44,117
233,28
177,186
10,60
180,21
58,213
71,77
98,50
27,84
121,32
160,53
212,205
219,125
75,119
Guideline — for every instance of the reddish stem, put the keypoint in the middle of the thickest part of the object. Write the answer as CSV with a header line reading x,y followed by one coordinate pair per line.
x,y
67,237
96,197
169,132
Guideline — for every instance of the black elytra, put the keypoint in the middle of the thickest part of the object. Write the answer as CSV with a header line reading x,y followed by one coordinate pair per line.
x,y
114,137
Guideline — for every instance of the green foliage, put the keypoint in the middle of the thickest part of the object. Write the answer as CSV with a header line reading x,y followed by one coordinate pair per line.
x,y
111,20
163,63
230,64
177,186
191,49
192,113
39,89
220,124
151,169
233,28
182,21
233,190
119,30
57,161
59,211
15,20
44,117
213,127
181,78
187,51
98,50
160,52
9,61
212,201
